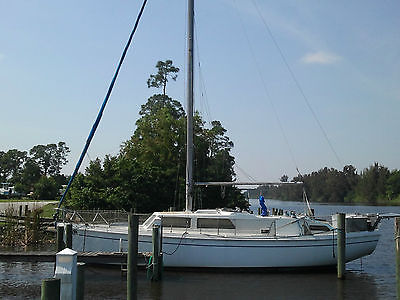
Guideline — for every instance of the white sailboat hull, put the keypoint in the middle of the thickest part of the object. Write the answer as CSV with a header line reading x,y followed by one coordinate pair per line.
x,y
211,251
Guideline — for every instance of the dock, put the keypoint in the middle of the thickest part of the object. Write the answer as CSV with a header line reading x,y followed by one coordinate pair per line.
x,y
98,258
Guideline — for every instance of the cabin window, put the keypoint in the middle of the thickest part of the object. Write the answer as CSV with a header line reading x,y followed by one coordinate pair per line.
x,y
215,223
176,222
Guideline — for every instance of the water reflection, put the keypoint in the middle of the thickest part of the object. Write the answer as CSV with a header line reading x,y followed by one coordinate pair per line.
x,y
191,285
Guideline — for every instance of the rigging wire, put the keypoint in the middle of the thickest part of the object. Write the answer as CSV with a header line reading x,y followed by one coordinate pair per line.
x,y
203,91
297,83
251,178
266,90
100,114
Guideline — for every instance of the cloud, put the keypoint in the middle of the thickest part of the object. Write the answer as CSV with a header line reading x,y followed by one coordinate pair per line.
x,y
320,57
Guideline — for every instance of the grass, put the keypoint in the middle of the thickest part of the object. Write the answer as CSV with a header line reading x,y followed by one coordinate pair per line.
x,y
48,210
23,200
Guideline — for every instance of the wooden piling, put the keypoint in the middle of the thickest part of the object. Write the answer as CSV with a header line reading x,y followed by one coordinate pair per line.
x,y
50,289
68,235
132,259
26,210
20,211
156,253
341,245
161,258
60,237
397,247
80,281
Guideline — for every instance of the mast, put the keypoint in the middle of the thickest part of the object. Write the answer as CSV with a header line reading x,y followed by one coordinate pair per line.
x,y
189,105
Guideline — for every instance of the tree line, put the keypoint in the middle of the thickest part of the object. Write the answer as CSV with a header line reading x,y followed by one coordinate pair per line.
x,y
36,172
376,185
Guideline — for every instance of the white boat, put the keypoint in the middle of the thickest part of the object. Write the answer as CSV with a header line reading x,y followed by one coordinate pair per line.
x,y
232,239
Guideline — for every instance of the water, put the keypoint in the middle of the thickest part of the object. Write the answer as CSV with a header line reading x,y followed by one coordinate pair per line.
x,y
372,278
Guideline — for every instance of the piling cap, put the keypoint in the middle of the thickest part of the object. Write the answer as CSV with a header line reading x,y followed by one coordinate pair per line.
x,y
157,221
67,251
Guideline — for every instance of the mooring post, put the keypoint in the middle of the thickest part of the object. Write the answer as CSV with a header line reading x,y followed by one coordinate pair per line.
x,y
68,235
26,209
80,281
397,245
60,237
341,245
66,270
133,234
156,252
161,259
50,289
20,211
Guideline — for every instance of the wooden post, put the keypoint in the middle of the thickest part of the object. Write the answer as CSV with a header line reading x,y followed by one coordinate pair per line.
x,y
341,245
20,211
80,281
156,252
50,289
161,258
133,233
60,237
397,244
68,235
26,209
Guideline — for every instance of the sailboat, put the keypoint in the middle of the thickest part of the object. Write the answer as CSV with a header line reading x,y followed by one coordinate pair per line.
x,y
220,238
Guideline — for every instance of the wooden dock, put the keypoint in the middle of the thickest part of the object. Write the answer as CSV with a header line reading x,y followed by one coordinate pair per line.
x,y
85,257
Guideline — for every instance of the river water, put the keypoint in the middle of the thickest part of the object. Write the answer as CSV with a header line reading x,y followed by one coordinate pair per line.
x,y
373,277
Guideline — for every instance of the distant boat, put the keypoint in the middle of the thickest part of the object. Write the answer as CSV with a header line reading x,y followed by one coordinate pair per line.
x,y
218,238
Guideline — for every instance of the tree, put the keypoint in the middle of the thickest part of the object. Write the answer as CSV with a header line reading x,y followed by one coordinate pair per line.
x,y
11,164
372,184
165,71
45,189
149,172
393,185
30,175
50,158
284,178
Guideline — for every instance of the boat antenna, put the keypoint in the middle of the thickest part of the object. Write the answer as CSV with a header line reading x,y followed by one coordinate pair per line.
x,y
189,107
100,114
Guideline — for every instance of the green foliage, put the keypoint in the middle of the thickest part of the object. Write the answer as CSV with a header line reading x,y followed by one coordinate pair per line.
x,y
374,185
393,186
371,187
46,188
149,172
50,158
24,170
11,164
165,70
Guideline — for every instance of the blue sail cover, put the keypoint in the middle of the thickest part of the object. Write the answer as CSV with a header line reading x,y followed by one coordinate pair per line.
x,y
264,211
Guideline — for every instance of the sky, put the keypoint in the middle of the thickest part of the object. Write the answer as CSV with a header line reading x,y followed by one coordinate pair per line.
x,y
297,84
